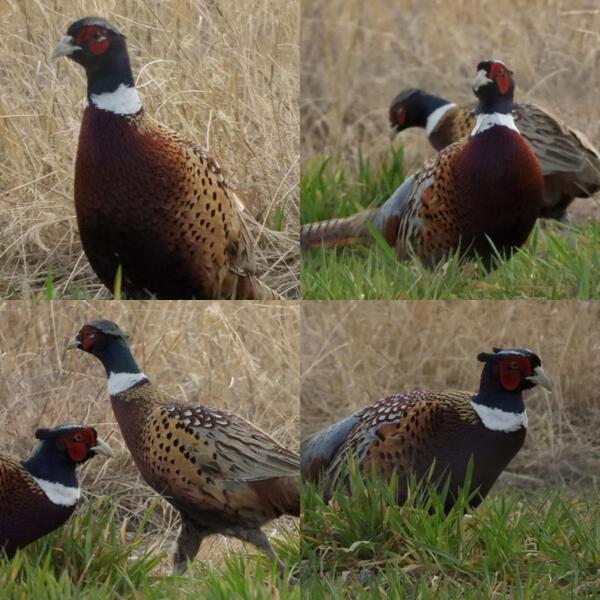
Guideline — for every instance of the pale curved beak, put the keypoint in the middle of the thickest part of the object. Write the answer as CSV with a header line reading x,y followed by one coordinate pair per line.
x,y
102,447
540,378
481,79
73,343
64,47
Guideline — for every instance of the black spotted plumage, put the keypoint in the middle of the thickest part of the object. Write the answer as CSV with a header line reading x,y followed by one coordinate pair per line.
x,y
412,432
147,199
223,474
26,511
481,189
570,164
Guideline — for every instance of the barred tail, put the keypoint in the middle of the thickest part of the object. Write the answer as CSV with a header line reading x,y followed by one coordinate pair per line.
x,y
337,232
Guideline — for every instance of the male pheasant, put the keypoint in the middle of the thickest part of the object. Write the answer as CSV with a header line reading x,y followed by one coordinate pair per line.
x,y
146,198
484,188
408,433
570,164
222,474
39,494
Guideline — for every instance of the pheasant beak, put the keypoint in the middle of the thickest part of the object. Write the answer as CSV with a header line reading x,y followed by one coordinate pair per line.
x,y
481,79
64,48
102,447
74,342
540,378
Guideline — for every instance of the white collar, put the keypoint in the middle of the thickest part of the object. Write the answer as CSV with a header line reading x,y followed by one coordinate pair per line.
x,y
436,116
59,493
487,120
500,420
121,382
125,100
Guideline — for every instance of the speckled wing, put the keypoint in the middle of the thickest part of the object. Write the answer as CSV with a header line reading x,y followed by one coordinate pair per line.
x,y
12,475
558,148
421,216
399,433
210,460
214,208
23,505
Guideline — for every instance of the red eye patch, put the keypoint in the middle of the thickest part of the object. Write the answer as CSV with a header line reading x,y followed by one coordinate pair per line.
x,y
398,117
94,38
501,76
88,337
512,370
78,442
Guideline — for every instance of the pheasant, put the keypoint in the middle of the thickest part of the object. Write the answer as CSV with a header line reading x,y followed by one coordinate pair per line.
x,y
569,162
484,188
146,198
414,432
222,474
39,494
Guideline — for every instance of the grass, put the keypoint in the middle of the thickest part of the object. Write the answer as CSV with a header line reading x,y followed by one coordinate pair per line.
x,y
96,555
222,73
517,545
556,262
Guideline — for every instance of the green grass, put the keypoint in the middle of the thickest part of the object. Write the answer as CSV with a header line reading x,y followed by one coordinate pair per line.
x,y
557,262
94,556
524,546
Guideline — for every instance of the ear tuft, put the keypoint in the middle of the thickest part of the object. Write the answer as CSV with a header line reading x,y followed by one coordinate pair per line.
x,y
485,357
42,434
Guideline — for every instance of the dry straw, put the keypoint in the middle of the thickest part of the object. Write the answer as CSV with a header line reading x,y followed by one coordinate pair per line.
x,y
224,73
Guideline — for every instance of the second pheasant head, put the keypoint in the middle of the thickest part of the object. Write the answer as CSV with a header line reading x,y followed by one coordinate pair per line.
x,y
107,342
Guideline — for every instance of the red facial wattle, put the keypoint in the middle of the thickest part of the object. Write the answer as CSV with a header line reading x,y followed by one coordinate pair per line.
x,y
87,337
399,118
79,443
94,38
513,370
501,76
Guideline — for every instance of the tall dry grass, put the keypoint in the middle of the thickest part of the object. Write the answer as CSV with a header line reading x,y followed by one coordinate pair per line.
x,y
354,353
237,356
357,55
222,72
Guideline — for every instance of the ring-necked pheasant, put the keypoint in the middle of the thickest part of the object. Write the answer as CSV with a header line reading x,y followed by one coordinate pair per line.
x,y
146,198
39,494
486,187
569,162
409,432
222,474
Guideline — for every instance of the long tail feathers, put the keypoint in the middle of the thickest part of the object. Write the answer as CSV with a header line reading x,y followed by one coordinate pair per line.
x,y
337,232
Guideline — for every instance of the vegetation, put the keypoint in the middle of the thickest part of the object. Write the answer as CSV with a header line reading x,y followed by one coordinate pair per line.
x,y
557,261
94,556
515,545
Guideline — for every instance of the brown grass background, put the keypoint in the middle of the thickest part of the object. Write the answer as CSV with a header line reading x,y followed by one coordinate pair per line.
x,y
237,356
354,353
357,55
222,72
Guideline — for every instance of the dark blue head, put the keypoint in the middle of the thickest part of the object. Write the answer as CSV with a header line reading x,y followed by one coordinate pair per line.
x,y
494,86
411,108
506,374
61,449
100,48
105,340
